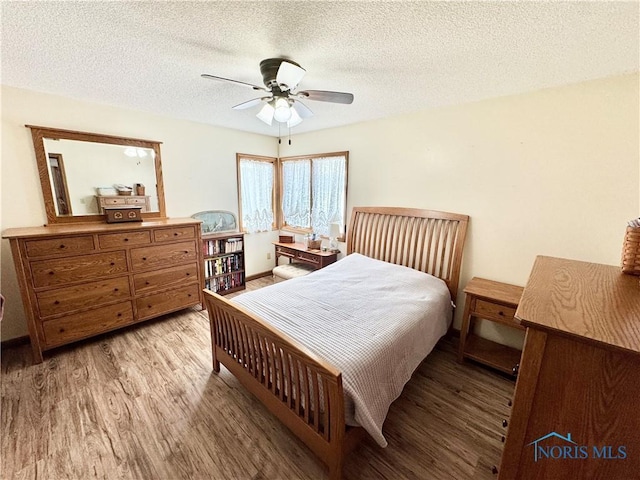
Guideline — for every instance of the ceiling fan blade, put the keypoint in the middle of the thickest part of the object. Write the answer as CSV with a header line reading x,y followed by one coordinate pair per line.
x,y
213,77
302,110
289,75
250,103
326,96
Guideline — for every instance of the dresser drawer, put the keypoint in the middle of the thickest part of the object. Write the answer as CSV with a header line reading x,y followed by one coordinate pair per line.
x,y
73,269
309,258
175,233
285,252
112,240
163,255
136,201
58,246
150,281
68,299
106,202
493,311
165,302
86,324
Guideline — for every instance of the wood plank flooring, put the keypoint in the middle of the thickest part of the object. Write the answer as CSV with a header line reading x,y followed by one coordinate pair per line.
x,y
143,403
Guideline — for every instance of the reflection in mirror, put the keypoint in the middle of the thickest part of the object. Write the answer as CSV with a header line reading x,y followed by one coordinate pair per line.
x,y
81,173
92,169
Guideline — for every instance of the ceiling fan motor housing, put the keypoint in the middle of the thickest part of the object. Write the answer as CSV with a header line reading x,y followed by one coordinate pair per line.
x,y
269,70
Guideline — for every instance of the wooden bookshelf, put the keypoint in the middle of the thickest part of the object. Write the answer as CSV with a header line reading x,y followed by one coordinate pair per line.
x,y
223,255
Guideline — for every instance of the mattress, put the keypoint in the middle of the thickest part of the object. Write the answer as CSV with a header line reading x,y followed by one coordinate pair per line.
x,y
373,320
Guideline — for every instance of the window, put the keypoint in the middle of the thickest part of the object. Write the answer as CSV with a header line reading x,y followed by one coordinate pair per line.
x,y
310,192
256,192
314,192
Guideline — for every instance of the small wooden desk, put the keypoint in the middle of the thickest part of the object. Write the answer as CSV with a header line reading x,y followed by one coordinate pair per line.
x,y
299,253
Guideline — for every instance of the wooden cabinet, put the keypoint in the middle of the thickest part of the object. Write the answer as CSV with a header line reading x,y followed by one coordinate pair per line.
x,y
495,302
142,201
297,252
575,410
81,280
223,262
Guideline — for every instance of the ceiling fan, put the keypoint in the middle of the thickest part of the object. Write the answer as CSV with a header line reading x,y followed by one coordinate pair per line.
x,y
282,103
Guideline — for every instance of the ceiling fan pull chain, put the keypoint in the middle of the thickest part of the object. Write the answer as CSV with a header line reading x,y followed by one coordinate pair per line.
x,y
289,135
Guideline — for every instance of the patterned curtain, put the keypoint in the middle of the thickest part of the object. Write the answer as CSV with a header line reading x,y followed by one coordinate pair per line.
x,y
256,183
296,193
329,176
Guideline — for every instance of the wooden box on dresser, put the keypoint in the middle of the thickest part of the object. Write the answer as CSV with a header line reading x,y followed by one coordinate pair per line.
x,y
80,280
575,412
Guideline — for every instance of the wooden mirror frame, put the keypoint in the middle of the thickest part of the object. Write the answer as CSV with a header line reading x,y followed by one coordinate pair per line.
x,y
40,133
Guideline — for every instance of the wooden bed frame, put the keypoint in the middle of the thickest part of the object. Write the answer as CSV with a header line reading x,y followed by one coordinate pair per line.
x,y
271,365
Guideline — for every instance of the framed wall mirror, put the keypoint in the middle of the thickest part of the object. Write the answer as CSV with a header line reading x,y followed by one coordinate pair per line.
x,y
81,173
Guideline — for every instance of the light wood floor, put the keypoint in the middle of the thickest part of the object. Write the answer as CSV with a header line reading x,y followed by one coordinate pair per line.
x,y
143,403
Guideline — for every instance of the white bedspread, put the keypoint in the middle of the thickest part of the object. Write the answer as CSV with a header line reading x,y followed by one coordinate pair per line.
x,y
372,320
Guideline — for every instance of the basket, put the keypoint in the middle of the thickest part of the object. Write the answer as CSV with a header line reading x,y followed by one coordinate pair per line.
x,y
631,251
315,245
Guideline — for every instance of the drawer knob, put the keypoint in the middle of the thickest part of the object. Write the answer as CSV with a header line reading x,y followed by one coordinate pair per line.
x,y
119,314
175,234
494,470
502,439
57,302
516,369
147,283
116,289
144,258
501,313
510,403
188,274
113,263
62,246
61,330
51,272
126,239
148,306
505,423
186,251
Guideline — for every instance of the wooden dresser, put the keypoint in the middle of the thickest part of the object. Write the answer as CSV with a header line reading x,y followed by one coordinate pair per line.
x,y
142,201
85,279
576,410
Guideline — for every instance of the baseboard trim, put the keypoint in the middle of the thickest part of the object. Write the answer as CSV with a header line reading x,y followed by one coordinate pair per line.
x,y
15,342
258,275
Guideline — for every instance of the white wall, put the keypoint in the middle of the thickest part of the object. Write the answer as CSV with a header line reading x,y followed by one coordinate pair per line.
x,y
199,170
553,172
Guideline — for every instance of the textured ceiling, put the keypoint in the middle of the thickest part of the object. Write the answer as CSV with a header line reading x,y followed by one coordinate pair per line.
x,y
395,57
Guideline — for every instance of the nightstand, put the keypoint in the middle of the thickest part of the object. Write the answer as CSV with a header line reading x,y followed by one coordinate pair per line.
x,y
494,302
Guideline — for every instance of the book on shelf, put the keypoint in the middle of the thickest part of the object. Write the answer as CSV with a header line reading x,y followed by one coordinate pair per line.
x,y
222,246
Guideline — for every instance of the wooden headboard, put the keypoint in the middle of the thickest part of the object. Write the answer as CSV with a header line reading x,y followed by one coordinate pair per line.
x,y
424,240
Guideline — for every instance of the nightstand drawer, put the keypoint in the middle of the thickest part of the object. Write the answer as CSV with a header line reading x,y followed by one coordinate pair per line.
x,y
493,311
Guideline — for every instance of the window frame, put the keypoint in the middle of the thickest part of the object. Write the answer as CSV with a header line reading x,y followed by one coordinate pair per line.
x,y
274,193
281,220
278,188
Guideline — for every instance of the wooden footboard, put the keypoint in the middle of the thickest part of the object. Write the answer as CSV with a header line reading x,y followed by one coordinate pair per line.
x,y
302,390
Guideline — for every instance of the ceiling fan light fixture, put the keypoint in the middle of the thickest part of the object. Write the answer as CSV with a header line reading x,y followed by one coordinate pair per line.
x,y
266,114
282,111
294,120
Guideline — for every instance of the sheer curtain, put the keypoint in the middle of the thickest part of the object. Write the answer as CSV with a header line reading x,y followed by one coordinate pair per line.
x,y
256,184
329,176
296,193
